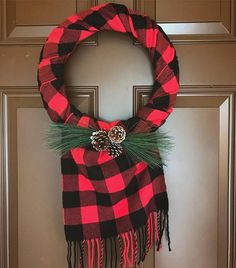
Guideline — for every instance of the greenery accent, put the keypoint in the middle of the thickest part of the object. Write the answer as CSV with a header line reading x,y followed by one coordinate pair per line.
x,y
63,137
147,147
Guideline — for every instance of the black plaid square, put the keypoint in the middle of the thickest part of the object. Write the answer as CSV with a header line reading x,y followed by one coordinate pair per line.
x,y
95,173
95,19
68,166
103,199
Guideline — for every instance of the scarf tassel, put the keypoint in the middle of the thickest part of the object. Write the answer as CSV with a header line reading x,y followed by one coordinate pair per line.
x,y
127,249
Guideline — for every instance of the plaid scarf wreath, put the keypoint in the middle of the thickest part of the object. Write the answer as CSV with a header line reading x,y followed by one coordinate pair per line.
x,y
115,209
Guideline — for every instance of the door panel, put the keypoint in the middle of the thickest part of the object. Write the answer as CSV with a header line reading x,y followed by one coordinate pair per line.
x,y
194,189
110,76
39,195
44,12
198,178
30,203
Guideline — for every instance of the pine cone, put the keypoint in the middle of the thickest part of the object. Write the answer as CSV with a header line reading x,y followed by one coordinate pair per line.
x,y
100,140
117,134
115,149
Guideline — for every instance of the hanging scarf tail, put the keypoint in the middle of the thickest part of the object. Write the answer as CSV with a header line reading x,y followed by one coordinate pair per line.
x,y
129,248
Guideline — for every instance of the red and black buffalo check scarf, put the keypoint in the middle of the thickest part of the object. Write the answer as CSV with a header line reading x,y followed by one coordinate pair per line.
x,y
115,209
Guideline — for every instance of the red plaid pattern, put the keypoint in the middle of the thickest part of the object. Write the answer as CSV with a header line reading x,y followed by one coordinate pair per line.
x,y
105,196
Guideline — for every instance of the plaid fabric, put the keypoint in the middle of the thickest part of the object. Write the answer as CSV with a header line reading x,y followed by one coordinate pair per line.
x,y
106,197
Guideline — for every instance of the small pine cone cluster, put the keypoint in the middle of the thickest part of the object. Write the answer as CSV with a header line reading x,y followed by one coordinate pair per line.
x,y
115,149
117,134
110,141
100,140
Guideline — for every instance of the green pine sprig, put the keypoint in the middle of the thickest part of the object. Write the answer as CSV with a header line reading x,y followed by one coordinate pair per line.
x,y
147,147
63,137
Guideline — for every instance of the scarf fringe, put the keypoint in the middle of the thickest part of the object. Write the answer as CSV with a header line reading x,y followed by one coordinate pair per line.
x,y
131,247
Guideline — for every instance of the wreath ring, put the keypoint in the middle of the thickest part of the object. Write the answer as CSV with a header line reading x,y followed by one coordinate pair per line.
x,y
63,40
108,200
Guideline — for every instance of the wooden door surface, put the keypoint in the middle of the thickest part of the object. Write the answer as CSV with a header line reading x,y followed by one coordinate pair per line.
x,y
110,76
